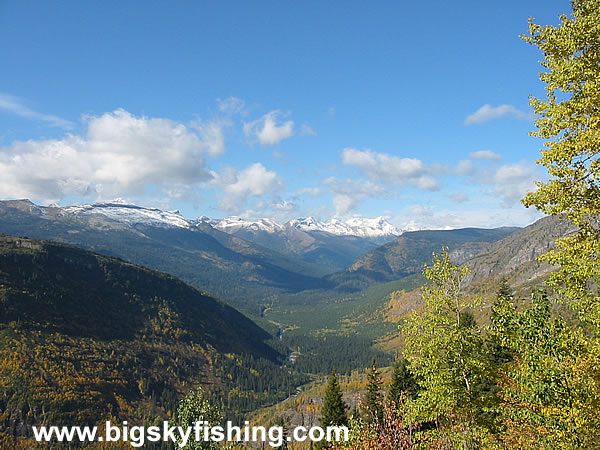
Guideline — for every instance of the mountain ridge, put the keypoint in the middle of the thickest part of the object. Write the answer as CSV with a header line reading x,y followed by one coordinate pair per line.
x,y
407,254
201,255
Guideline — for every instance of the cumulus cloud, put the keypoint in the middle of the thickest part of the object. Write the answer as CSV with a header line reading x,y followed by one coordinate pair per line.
x,y
284,205
119,155
381,167
15,106
465,168
513,181
347,194
488,112
239,185
268,130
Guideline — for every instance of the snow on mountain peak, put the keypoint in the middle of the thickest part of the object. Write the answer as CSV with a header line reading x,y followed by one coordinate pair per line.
x,y
235,223
124,212
362,227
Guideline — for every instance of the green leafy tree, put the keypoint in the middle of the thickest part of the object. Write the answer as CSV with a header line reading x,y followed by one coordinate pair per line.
x,y
195,407
556,372
333,411
373,401
569,121
444,347
548,398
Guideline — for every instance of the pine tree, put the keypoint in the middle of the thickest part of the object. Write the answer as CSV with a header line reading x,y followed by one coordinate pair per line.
x,y
403,384
333,411
373,404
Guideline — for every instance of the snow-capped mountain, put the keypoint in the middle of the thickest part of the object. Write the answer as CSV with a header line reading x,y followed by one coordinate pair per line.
x,y
126,213
235,223
332,245
327,245
360,227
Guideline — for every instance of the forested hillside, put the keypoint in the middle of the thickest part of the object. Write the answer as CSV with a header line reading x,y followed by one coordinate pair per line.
x,y
85,337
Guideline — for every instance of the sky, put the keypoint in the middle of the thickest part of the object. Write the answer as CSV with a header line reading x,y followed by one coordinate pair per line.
x,y
415,111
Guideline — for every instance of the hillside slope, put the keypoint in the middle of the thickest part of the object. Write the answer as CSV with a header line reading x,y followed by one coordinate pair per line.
x,y
406,255
85,337
515,257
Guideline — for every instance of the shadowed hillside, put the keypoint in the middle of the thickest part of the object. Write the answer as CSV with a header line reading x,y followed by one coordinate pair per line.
x,y
85,337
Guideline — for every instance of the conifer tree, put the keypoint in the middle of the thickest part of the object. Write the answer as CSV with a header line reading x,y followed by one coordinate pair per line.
x,y
403,384
373,404
333,411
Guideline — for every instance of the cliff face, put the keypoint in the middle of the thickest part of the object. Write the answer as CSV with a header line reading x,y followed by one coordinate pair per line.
x,y
515,257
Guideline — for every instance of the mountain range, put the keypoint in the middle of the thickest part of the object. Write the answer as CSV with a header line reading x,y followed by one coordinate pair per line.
x,y
253,264
332,245
407,254
209,259
265,259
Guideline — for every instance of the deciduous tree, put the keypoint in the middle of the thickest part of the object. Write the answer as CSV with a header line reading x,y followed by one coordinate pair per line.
x,y
569,121
444,347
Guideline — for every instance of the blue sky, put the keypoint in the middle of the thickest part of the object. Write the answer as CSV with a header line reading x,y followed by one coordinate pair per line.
x,y
414,111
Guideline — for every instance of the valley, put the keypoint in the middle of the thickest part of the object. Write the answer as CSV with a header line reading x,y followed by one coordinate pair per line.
x,y
154,336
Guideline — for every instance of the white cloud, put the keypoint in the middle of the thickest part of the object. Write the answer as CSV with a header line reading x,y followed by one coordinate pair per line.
x,y
315,192
120,155
459,197
465,168
211,133
513,181
268,131
423,217
306,130
231,105
254,180
284,205
485,154
347,194
15,106
381,167
488,112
